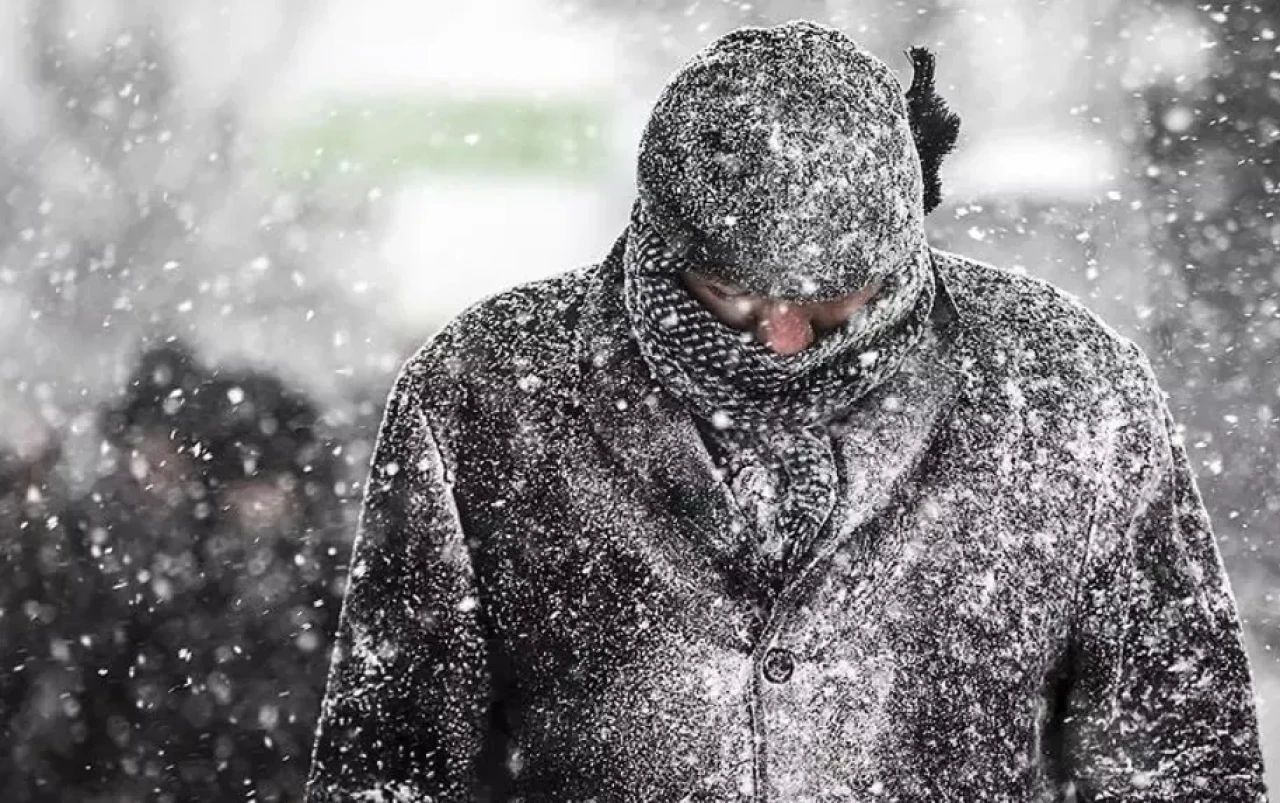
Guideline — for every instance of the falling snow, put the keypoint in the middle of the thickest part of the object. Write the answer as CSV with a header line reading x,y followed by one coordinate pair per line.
x,y
253,533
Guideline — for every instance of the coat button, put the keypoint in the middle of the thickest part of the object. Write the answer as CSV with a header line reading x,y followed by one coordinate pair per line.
x,y
779,663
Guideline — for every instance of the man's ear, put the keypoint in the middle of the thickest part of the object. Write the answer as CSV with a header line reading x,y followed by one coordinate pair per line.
x,y
934,126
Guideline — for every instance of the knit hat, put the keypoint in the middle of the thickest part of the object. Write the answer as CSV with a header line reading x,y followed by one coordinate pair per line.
x,y
785,160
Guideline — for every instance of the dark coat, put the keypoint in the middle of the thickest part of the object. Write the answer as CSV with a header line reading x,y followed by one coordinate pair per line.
x,y
1018,594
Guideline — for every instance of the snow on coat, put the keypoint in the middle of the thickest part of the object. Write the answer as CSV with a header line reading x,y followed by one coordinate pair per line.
x,y
1017,598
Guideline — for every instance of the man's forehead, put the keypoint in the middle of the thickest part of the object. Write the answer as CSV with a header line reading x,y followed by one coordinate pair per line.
x,y
802,292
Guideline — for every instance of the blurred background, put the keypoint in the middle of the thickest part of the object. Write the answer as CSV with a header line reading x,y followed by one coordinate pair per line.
x,y
224,225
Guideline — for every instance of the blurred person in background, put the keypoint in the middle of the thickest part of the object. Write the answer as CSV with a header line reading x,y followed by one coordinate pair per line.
x,y
46,589
779,502
180,663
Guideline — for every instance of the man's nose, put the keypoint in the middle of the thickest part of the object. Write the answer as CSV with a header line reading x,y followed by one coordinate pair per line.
x,y
784,329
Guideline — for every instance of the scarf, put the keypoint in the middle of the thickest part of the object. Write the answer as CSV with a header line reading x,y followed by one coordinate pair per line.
x,y
766,415
736,383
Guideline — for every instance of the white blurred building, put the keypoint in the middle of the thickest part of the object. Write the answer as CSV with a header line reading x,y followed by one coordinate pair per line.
x,y
463,227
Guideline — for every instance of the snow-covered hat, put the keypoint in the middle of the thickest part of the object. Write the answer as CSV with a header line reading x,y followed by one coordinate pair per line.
x,y
785,160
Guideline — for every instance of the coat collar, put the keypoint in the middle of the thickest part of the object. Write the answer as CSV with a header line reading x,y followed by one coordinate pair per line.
x,y
655,441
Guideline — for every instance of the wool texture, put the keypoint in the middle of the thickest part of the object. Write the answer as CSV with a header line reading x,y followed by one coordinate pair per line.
x,y
785,483
767,410
935,127
735,382
783,159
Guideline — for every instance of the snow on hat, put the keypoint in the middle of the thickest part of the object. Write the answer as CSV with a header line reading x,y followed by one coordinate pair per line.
x,y
785,160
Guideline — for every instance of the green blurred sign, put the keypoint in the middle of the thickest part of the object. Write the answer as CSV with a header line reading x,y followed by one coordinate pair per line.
x,y
557,137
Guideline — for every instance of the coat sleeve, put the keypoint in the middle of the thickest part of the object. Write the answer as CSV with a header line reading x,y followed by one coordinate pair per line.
x,y
1161,705
405,710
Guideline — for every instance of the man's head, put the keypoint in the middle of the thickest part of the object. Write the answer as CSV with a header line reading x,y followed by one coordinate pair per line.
x,y
785,166
776,268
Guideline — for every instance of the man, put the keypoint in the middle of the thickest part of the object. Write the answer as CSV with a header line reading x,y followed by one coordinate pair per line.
x,y
780,504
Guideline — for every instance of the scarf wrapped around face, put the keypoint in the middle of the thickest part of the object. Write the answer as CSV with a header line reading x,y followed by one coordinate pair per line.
x,y
734,382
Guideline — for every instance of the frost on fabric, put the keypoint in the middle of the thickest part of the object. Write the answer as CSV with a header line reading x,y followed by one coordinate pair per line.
x,y
409,643
1003,585
1017,593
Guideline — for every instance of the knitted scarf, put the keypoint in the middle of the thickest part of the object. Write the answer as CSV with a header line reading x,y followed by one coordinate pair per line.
x,y
736,383
767,410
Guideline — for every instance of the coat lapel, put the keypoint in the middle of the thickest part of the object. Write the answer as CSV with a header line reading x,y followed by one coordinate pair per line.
x,y
649,436
882,443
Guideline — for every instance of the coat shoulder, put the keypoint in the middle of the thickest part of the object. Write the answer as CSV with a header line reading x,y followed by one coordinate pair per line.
x,y
1027,339
1023,321
517,341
